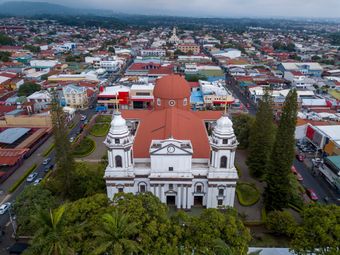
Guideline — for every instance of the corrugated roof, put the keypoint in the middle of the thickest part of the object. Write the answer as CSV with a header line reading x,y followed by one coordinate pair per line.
x,y
10,135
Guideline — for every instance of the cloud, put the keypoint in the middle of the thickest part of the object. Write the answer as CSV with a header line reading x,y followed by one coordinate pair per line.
x,y
216,8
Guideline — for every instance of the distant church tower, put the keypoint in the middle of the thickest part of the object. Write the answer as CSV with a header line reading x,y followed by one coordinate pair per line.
x,y
174,39
120,154
223,147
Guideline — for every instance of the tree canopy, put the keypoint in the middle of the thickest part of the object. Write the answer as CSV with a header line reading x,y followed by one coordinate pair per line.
x,y
28,88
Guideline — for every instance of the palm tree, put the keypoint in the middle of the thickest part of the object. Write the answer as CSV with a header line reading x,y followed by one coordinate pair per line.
x,y
51,237
115,235
221,248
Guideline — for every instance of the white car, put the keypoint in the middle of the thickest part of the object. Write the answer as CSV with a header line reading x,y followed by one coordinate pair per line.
x,y
4,208
31,177
37,181
83,117
71,139
46,161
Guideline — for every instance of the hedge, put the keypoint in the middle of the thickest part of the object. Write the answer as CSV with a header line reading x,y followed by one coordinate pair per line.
x,y
247,194
18,182
49,149
84,148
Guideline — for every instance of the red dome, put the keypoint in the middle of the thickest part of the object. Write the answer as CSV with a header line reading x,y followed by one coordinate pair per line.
x,y
171,87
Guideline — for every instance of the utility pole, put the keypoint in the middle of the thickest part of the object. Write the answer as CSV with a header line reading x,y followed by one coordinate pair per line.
x,y
13,223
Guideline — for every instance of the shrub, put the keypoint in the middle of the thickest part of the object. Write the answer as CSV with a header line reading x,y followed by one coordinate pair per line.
x,y
280,222
84,148
247,194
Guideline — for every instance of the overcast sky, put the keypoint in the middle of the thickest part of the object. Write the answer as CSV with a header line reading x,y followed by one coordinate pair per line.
x,y
216,8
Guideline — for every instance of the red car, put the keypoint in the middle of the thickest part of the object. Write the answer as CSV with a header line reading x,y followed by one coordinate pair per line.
x,y
297,174
312,194
300,157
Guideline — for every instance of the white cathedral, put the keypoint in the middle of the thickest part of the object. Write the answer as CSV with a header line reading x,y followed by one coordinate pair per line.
x,y
167,151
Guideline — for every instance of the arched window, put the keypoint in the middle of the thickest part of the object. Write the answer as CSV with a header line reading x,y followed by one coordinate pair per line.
x,y
118,160
185,101
223,163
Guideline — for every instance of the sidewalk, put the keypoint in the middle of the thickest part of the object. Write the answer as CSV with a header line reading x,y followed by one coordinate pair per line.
x,y
36,158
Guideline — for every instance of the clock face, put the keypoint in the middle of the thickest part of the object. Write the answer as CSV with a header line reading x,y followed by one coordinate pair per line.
x,y
171,149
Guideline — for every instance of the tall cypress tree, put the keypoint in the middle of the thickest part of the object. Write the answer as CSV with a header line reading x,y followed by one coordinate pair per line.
x,y
278,191
64,157
261,137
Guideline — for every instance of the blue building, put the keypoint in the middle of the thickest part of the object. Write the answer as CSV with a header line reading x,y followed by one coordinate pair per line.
x,y
307,68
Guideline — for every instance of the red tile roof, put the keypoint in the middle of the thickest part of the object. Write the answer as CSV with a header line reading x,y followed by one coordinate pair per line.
x,y
10,157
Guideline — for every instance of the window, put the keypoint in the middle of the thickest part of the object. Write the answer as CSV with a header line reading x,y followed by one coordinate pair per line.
x,y
158,101
171,186
172,102
219,202
116,141
185,101
131,157
120,189
118,160
225,141
171,168
199,188
221,192
142,188
223,163
142,93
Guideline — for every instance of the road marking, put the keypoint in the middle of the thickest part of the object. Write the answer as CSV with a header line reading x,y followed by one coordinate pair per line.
x,y
7,197
8,223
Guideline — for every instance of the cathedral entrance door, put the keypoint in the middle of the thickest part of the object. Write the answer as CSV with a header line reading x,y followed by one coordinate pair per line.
x,y
198,200
171,200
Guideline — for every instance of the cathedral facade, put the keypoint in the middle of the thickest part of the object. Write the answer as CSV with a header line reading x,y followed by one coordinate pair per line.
x,y
185,158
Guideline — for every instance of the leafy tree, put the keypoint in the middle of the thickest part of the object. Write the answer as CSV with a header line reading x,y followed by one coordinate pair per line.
x,y
4,56
278,191
28,203
28,88
261,138
52,235
32,48
319,232
242,125
87,181
280,222
115,234
315,58
205,233
151,218
62,180
6,40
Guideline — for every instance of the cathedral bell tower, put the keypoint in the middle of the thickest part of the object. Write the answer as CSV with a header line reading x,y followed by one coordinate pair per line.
x,y
120,156
223,145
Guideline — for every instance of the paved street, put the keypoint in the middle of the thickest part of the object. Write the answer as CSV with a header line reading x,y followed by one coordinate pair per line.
x,y
35,158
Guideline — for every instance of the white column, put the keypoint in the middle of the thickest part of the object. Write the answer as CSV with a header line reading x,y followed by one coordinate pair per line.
x,y
162,194
190,197
110,158
185,197
216,163
154,190
208,205
179,196
232,200
159,192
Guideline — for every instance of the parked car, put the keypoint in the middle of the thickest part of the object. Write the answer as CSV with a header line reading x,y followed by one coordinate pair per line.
x,y
46,161
37,181
83,117
31,177
300,157
312,194
297,174
4,208
71,139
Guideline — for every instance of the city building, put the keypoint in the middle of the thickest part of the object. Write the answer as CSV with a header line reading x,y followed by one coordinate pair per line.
x,y
158,151
76,96
189,48
307,68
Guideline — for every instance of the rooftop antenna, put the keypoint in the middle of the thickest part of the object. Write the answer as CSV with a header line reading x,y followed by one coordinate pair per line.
x,y
226,107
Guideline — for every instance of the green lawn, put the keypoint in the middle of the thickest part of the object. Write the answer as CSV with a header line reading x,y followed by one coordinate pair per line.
x,y
84,148
104,118
100,129
247,194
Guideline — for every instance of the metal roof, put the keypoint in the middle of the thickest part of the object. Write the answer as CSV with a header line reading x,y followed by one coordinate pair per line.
x,y
10,135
